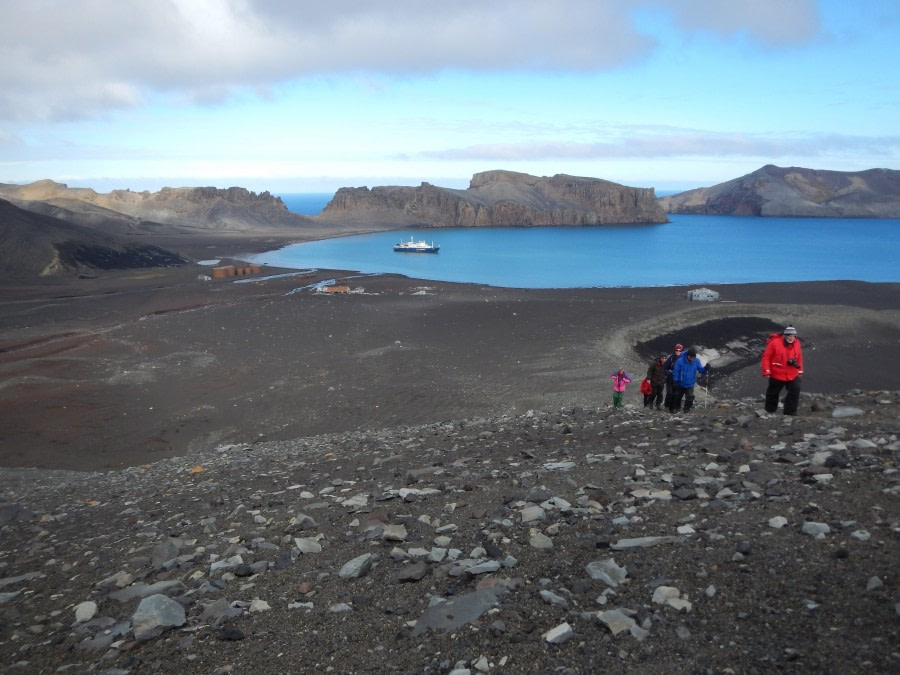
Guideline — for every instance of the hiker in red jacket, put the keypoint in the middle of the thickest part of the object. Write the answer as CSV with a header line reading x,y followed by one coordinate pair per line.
x,y
782,363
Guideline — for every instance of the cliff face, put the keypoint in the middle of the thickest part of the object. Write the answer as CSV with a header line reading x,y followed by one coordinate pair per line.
x,y
500,198
796,192
192,207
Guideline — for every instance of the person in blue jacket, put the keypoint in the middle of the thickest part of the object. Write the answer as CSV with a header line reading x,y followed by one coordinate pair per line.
x,y
684,377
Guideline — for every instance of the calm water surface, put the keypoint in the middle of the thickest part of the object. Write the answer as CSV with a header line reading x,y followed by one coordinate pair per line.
x,y
689,250
306,203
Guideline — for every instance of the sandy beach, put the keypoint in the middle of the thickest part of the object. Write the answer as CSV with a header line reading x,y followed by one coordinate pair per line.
x,y
135,366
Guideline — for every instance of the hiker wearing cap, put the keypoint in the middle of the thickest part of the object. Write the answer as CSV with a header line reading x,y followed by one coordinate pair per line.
x,y
656,377
684,377
782,363
668,368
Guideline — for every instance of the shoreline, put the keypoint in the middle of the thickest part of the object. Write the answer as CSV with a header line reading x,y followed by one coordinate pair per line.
x,y
463,273
139,365
134,365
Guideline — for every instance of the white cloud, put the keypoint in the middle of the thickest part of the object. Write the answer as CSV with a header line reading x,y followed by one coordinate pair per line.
x,y
659,143
773,22
70,60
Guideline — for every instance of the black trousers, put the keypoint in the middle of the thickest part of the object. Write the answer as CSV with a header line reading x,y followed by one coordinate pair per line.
x,y
791,399
655,396
670,394
683,392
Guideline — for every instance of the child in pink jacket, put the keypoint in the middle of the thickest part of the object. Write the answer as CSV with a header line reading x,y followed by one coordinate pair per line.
x,y
620,381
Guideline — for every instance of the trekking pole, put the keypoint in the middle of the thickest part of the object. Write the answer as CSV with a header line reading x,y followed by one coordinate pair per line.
x,y
706,400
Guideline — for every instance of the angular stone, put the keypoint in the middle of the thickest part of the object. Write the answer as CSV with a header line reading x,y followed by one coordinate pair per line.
x,y
540,541
662,594
560,634
307,545
414,572
257,605
85,611
817,530
482,568
394,533
154,615
873,583
533,513
357,567
616,620
450,615
607,571
356,501
559,466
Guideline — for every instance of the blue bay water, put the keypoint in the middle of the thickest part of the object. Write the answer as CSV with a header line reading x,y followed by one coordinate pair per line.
x,y
687,251
306,203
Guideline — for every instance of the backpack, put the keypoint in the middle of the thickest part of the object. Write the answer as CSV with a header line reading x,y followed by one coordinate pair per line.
x,y
646,387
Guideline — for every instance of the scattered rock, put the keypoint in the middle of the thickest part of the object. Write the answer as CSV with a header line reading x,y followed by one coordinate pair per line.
x,y
488,553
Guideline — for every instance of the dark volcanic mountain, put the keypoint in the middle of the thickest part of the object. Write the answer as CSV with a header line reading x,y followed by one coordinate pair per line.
x,y
796,192
32,244
500,198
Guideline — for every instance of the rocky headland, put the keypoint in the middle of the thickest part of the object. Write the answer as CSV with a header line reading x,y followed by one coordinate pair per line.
x,y
796,192
500,199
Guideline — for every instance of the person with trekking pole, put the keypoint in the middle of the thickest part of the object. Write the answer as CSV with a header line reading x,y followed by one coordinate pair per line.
x,y
684,377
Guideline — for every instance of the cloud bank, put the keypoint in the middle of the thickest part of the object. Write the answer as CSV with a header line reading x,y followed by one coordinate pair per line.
x,y
66,60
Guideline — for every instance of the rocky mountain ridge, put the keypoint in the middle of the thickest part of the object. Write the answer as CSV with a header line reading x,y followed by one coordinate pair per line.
x,y
796,192
568,541
207,209
500,199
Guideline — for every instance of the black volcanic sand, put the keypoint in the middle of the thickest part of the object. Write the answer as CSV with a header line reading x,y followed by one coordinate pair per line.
x,y
475,460
132,367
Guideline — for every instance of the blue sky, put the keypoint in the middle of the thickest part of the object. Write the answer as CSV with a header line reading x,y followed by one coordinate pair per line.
x,y
308,96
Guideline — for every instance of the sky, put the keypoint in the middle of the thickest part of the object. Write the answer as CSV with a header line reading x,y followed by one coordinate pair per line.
x,y
309,96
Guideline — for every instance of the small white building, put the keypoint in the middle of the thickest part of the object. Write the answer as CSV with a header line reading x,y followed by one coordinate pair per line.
x,y
702,295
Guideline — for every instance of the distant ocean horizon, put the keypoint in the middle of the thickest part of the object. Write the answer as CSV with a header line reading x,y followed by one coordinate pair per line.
x,y
689,250
306,203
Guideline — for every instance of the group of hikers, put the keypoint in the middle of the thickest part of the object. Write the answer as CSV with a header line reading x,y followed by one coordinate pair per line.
x,y
671,378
